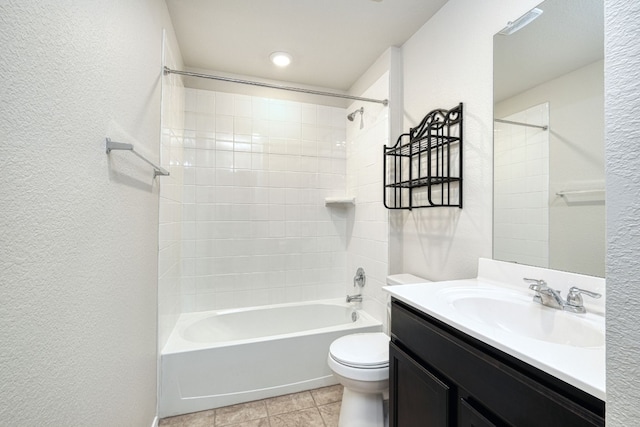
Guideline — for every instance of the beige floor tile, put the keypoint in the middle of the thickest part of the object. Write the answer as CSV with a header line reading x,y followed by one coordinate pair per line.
x,y
304,418
169,422
330,414
325,395
289,403
240,413
262,422
196,419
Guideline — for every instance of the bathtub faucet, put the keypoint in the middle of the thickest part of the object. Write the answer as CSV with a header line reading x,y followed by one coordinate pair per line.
x,y
357,298
358,280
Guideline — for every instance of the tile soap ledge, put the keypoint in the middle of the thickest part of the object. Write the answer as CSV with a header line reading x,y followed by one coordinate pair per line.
x,y
339,201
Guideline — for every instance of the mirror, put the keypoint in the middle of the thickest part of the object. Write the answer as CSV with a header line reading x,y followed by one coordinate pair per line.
x,y
549,140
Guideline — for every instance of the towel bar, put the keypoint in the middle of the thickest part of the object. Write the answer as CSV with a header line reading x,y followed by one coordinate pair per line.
x,y
112,145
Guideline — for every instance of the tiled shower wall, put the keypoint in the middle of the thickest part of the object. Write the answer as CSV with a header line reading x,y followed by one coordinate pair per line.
x,y
521,189
369,237
255,229
170,221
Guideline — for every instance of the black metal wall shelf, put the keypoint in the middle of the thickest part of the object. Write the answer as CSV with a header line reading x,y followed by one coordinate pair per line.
x,y
424,168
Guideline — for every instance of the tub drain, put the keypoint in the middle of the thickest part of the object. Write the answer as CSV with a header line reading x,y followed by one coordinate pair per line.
x,y
354,316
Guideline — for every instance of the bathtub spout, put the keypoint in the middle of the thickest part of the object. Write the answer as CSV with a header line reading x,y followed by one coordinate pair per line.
x,y
357,298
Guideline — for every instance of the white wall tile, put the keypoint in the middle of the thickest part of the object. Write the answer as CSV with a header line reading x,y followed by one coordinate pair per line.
x,y
205,101
309,114
242,125
256,201
224,159
323,115
223,103
190,99
205,123
205,158
260,108
242,106
242,160
361,151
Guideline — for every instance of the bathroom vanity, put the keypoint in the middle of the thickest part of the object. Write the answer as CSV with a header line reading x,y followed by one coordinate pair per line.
x,y
477,353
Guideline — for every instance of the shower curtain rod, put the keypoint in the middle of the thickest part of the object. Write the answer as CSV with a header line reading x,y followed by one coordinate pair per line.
x,y
509,122
168,70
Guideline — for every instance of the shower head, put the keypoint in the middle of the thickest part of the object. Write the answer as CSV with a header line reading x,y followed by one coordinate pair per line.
x,y
352,116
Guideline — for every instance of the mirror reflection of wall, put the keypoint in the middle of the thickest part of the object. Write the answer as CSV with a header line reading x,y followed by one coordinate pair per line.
x,y
549,183
521,186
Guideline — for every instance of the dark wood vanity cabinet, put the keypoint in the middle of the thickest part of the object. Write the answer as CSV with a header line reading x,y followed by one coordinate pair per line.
x,y
419,398
439,376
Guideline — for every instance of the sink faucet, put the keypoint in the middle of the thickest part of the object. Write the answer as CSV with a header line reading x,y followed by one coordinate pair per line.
x,y
359,279
552,298
544,294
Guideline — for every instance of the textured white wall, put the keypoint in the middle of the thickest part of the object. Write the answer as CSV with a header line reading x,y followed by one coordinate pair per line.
x,y
450,60
78,251
622,133
463,72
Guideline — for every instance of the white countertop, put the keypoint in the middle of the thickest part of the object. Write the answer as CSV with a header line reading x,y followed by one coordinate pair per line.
x,y
582,367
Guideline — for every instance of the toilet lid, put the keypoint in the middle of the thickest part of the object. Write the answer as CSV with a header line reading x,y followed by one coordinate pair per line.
x,y
370,350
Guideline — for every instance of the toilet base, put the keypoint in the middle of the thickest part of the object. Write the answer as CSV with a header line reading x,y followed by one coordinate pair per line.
x,y
361,409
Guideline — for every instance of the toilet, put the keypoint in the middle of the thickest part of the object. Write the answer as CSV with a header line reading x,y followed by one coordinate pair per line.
x,y
360,362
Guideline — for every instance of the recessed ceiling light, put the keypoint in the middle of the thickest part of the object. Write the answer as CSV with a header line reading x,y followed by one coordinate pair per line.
x,y
281,59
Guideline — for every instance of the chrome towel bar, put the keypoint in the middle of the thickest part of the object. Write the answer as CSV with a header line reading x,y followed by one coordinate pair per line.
x,y
112,145
510,122
564,193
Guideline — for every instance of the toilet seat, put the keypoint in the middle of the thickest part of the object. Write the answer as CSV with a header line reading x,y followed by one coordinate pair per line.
x,y
361,351
360,362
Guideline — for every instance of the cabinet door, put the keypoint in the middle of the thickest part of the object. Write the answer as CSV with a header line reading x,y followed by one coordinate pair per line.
x,y
416,397
469,417
501,385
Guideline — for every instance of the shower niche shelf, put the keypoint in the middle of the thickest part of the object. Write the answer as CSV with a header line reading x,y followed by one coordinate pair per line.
x,y
424,167
340,201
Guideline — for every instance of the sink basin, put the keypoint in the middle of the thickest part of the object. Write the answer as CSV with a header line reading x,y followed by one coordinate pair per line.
x,y
498,310
516,313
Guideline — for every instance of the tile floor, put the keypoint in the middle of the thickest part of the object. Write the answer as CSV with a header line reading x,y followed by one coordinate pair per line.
x,y
314,408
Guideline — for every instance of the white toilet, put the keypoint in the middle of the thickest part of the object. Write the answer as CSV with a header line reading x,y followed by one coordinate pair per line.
x,y
360,362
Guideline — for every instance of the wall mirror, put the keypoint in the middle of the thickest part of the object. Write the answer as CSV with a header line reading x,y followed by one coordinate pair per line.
x,y
549,140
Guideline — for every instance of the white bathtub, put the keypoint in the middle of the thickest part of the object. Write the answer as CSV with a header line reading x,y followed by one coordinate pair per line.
x,y
220,358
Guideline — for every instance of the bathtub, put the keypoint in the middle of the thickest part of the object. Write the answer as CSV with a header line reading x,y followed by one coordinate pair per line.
x,y
220,358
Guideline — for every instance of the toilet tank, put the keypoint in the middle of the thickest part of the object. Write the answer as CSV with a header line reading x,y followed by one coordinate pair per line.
x,y
404,279
399,279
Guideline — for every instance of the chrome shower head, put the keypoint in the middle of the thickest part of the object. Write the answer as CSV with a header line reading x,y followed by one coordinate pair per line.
x,y
352,116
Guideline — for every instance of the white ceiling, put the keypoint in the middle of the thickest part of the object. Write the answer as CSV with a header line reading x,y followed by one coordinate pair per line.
x,y
568,35
333,42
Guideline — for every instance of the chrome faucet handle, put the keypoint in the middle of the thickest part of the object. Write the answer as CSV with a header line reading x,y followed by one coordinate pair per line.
x,y
574,299
536,284
360,278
